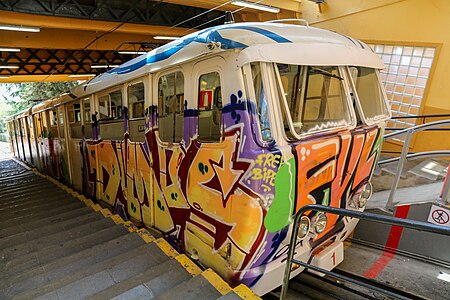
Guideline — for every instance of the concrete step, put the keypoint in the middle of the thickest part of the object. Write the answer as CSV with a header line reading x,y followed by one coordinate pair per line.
x,y
195,288
56,227
230,296
22,228
12,188
65,266
100,276
40,258
147,284
18,203
28,191
55,239
42,203
33,216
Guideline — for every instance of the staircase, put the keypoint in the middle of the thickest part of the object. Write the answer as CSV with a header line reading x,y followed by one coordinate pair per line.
x,y
56,244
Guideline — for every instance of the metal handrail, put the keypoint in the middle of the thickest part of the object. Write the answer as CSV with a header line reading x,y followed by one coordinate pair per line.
x,y
415,155
412,224
404,156
418,128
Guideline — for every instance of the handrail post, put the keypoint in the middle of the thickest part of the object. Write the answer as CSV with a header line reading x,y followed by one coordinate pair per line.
x,y
287,270
390,203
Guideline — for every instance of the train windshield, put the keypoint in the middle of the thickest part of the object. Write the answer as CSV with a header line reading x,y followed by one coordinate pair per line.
x,y
314,98
370,94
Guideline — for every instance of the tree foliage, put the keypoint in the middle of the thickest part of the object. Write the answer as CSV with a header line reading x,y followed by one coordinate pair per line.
x,y
34,92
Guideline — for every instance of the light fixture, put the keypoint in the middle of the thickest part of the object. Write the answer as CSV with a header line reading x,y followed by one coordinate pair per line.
x,y
103,66
444,276
320,222
19,28
132,52
162,37
81,75
6,49
256,6
303,227
8,67
4,76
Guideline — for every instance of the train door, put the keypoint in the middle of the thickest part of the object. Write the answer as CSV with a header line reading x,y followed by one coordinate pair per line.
x,y
138,182
110,150
167,149
89,148
18,130
43,140
33,141
26,139
63,151
74,142
37,141
52,143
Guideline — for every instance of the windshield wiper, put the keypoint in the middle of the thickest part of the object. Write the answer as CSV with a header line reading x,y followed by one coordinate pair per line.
x,y
326,73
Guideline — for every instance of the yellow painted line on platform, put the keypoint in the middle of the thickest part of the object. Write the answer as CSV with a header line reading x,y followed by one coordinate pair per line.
x,y
245,292
145,235
189,265
216,281
117,219
166,248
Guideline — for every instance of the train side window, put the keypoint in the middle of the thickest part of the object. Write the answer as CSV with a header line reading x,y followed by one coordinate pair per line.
x,y
74,116
61,121
209,108
171,107
53,116
261,103
136,94
110,116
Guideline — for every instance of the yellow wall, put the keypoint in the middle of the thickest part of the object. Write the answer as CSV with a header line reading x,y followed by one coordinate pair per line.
x,y
405,22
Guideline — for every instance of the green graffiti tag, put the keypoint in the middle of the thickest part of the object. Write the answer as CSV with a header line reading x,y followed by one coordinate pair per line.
x,y
280,212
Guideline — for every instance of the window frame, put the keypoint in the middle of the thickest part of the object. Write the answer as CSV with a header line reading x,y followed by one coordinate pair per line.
x,y
347,100
155,92
144,81
379,118
107,92
200,72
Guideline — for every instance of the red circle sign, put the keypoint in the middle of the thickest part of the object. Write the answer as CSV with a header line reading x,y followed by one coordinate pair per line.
x,y
440,216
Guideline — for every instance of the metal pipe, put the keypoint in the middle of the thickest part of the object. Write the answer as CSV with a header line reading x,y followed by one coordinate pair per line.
x,y
412,224
390,203
417,128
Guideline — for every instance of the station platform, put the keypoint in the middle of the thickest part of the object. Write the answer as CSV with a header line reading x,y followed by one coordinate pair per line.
x,y
56,244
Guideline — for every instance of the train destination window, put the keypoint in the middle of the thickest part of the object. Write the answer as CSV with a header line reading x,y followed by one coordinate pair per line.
x,y
370,94
315,97
171,107
261,103
209,108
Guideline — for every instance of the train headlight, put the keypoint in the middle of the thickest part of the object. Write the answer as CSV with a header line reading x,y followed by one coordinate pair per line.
x,y
365,195
320,222
303,227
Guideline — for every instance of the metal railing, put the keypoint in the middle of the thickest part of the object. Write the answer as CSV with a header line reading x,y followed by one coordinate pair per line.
x,y
405,155
412,224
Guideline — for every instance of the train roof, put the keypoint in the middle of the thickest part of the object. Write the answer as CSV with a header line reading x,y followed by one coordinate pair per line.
x,y
285,43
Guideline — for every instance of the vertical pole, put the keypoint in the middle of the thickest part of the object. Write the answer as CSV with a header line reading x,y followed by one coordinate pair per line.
x,y
445,194
287,270
401,163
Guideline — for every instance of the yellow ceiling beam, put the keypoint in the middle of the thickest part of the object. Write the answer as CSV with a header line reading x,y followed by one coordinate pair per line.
x,y
39,78
291,5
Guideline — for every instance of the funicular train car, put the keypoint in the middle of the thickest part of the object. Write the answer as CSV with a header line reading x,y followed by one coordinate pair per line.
x,y
216,139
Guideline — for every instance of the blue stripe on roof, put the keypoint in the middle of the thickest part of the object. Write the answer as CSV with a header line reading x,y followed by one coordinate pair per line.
x,y
202,37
